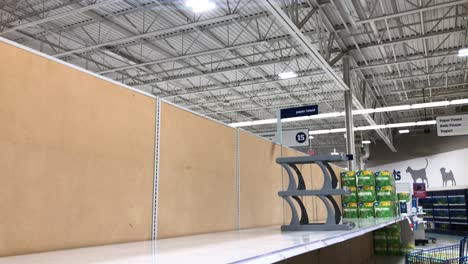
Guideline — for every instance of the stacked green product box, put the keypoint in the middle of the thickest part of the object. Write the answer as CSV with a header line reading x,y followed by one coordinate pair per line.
x,y
387,242
374,194
385,206
366,193
348,179
384,178
350,210
380,242
350,206
365,178
393,234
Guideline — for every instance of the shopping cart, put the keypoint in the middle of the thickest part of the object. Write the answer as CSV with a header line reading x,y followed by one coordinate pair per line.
x,y
453,254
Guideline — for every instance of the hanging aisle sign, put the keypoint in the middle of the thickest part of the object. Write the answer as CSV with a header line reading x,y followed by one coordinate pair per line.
x,y
299,111
455,125
291,138
296,137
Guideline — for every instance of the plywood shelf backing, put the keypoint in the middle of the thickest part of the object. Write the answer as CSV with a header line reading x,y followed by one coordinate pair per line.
x,y
197,184
76,159
78,163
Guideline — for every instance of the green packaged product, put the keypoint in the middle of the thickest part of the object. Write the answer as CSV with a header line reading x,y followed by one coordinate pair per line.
x,y
393,249
384,209
393,238
348,179
380,250
406,248
350,197
385,194
381,232
366,210
384,178
366,194
393,228
365,178
380,239
403,196
350,210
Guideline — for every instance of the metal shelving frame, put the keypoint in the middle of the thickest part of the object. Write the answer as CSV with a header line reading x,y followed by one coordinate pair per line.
x,y
297,189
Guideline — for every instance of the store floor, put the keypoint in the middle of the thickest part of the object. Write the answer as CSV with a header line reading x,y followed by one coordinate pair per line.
x,y
442,240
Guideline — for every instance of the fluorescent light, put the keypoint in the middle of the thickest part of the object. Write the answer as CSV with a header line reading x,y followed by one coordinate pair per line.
x,y
356,112
336,130
369,127
327,115
319,132
199,6
425,123
463,52
363,111
311,137
396,125
295,119
459,101
254,123
403,131
287,75
429,105
366,142
407,124
393,108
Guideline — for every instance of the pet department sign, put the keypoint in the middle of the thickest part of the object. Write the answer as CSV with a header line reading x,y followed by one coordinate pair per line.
x,y
456,125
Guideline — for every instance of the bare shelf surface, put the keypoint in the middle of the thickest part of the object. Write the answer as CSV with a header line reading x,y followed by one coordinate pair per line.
x,y
258,245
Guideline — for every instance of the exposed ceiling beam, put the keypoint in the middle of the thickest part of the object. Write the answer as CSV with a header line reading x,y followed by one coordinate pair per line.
x,y
187,56
145,35
446,53
224,70
414,11
58,16
258,82
431,87
315,55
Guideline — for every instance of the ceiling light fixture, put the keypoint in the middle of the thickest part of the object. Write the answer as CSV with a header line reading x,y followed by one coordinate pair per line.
x,y
366,142
429,105
287,75
459,101
403,131
463,52
199,6
363,128
355,112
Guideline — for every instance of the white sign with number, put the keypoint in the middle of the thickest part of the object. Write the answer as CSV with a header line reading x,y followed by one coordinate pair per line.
x,y
291,138
455,125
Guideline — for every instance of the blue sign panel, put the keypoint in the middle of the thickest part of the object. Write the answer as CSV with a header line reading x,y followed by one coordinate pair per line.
x,y
299,111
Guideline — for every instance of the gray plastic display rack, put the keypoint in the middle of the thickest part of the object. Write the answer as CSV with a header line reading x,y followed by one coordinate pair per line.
x,y
329,188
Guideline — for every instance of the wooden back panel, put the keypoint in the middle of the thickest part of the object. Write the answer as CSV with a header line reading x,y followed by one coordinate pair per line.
x,y
76,159
260,182
197,175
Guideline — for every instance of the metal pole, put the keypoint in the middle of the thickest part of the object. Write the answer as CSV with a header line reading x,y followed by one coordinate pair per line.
x,y
348,96
279,128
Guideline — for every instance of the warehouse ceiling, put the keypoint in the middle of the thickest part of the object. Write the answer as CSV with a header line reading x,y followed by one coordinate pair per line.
x,y
224,62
